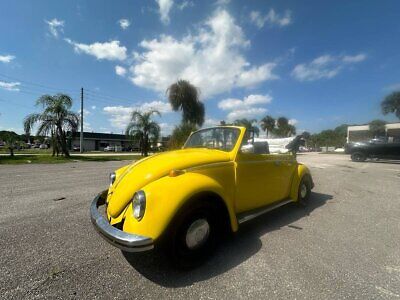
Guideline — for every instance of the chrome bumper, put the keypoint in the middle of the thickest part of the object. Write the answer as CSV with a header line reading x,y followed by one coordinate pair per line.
x,y
118,238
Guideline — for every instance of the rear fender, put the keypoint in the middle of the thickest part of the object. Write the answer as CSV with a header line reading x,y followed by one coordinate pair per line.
x,y
301,171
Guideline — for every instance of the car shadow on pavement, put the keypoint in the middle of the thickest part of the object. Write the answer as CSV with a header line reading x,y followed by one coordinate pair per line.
x,y
233,251
384,161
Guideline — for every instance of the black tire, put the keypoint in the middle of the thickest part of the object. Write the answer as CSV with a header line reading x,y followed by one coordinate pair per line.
x,y
304,191
182,255
358,157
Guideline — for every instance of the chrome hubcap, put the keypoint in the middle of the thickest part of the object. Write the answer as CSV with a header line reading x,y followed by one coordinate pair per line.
x,y
303,191
197,233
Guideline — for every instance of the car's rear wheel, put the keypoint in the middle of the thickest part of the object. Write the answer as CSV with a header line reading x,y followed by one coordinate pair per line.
x,y
358,157
193,235
304,191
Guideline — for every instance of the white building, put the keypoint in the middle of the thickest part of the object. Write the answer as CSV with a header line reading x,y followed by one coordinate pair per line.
x,y
361,132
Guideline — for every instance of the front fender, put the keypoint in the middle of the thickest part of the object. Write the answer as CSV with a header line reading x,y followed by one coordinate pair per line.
x,y
164,198
301,171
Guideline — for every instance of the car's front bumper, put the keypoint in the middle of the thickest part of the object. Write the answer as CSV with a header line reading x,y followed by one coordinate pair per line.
x,y
118,238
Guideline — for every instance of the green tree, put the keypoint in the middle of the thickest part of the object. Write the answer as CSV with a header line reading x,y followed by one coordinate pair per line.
x,y
391,104
11,139
143,129
56,119
341,132
306,135
249,124
180,135
283,128
267,124
377,128
185,97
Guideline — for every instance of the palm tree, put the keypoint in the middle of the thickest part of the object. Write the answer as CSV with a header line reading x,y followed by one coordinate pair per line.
x,y
185,97
56,119
283,128
10,138
248,124
391,104
291,130
267,124
143,129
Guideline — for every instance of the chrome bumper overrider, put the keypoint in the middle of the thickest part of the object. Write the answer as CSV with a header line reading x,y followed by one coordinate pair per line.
x,y
118,238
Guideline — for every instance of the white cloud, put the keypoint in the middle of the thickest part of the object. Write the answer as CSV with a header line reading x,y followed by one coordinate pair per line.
x,y
392,87
222,2
121,115
250,113
293,121
325,66
86,126
85,112
209,122
124,23
10,86
211,59
93,107
107,50
245,108
166,128
55,26
164,9
355,58
121,71
185,4
271,18
6,58
231,103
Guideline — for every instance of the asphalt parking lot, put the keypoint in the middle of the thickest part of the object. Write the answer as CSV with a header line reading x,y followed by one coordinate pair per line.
x,y
346,244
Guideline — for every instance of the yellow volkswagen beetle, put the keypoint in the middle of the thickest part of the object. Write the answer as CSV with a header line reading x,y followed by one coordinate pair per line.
x,y
186,198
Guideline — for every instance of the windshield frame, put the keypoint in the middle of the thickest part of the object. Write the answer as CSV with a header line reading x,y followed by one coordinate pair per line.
x,y
239,137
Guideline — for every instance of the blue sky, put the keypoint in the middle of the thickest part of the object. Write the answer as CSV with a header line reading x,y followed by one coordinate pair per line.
x,y
320,63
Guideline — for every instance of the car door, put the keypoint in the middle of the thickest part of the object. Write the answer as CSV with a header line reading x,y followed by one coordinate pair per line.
x,y
262,179
394,150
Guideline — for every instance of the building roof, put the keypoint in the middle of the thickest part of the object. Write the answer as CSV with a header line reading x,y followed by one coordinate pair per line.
x,y
366,127
101,136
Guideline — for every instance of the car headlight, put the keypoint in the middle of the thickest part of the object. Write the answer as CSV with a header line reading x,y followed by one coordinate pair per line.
x,y
112,178
139,205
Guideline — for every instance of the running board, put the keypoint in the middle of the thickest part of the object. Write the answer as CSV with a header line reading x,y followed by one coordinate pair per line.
x,y
247,216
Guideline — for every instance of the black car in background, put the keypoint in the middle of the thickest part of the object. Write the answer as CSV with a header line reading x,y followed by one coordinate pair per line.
x,y
375,148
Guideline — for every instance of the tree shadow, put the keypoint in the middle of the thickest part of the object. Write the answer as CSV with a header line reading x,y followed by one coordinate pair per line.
x,y
233,251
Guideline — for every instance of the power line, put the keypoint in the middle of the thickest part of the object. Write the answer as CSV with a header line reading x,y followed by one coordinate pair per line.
x,y
33,83
13,103
107,97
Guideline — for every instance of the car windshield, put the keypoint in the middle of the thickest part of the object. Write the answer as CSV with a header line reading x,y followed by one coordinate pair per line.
x,y
221,138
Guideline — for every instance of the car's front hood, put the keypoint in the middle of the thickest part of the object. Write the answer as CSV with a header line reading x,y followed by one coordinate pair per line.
x,y
152,168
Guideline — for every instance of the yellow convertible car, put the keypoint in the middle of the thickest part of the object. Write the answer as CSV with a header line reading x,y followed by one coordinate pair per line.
x,y
187,198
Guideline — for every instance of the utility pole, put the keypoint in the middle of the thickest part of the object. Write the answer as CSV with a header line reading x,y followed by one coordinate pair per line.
x,y
81,137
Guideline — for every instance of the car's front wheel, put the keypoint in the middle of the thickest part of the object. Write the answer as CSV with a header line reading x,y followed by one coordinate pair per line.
x,y
194,235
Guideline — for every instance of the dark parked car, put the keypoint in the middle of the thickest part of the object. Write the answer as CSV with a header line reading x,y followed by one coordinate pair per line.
x,y
375,148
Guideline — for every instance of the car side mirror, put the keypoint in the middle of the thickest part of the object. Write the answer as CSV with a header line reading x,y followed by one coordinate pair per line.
x,y
249,148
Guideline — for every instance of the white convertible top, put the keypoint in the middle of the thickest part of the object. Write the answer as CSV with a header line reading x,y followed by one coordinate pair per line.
x,y
276,145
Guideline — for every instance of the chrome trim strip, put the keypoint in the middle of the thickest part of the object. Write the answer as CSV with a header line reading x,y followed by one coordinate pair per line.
x,y
210,165
247,216
266,161
118,238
